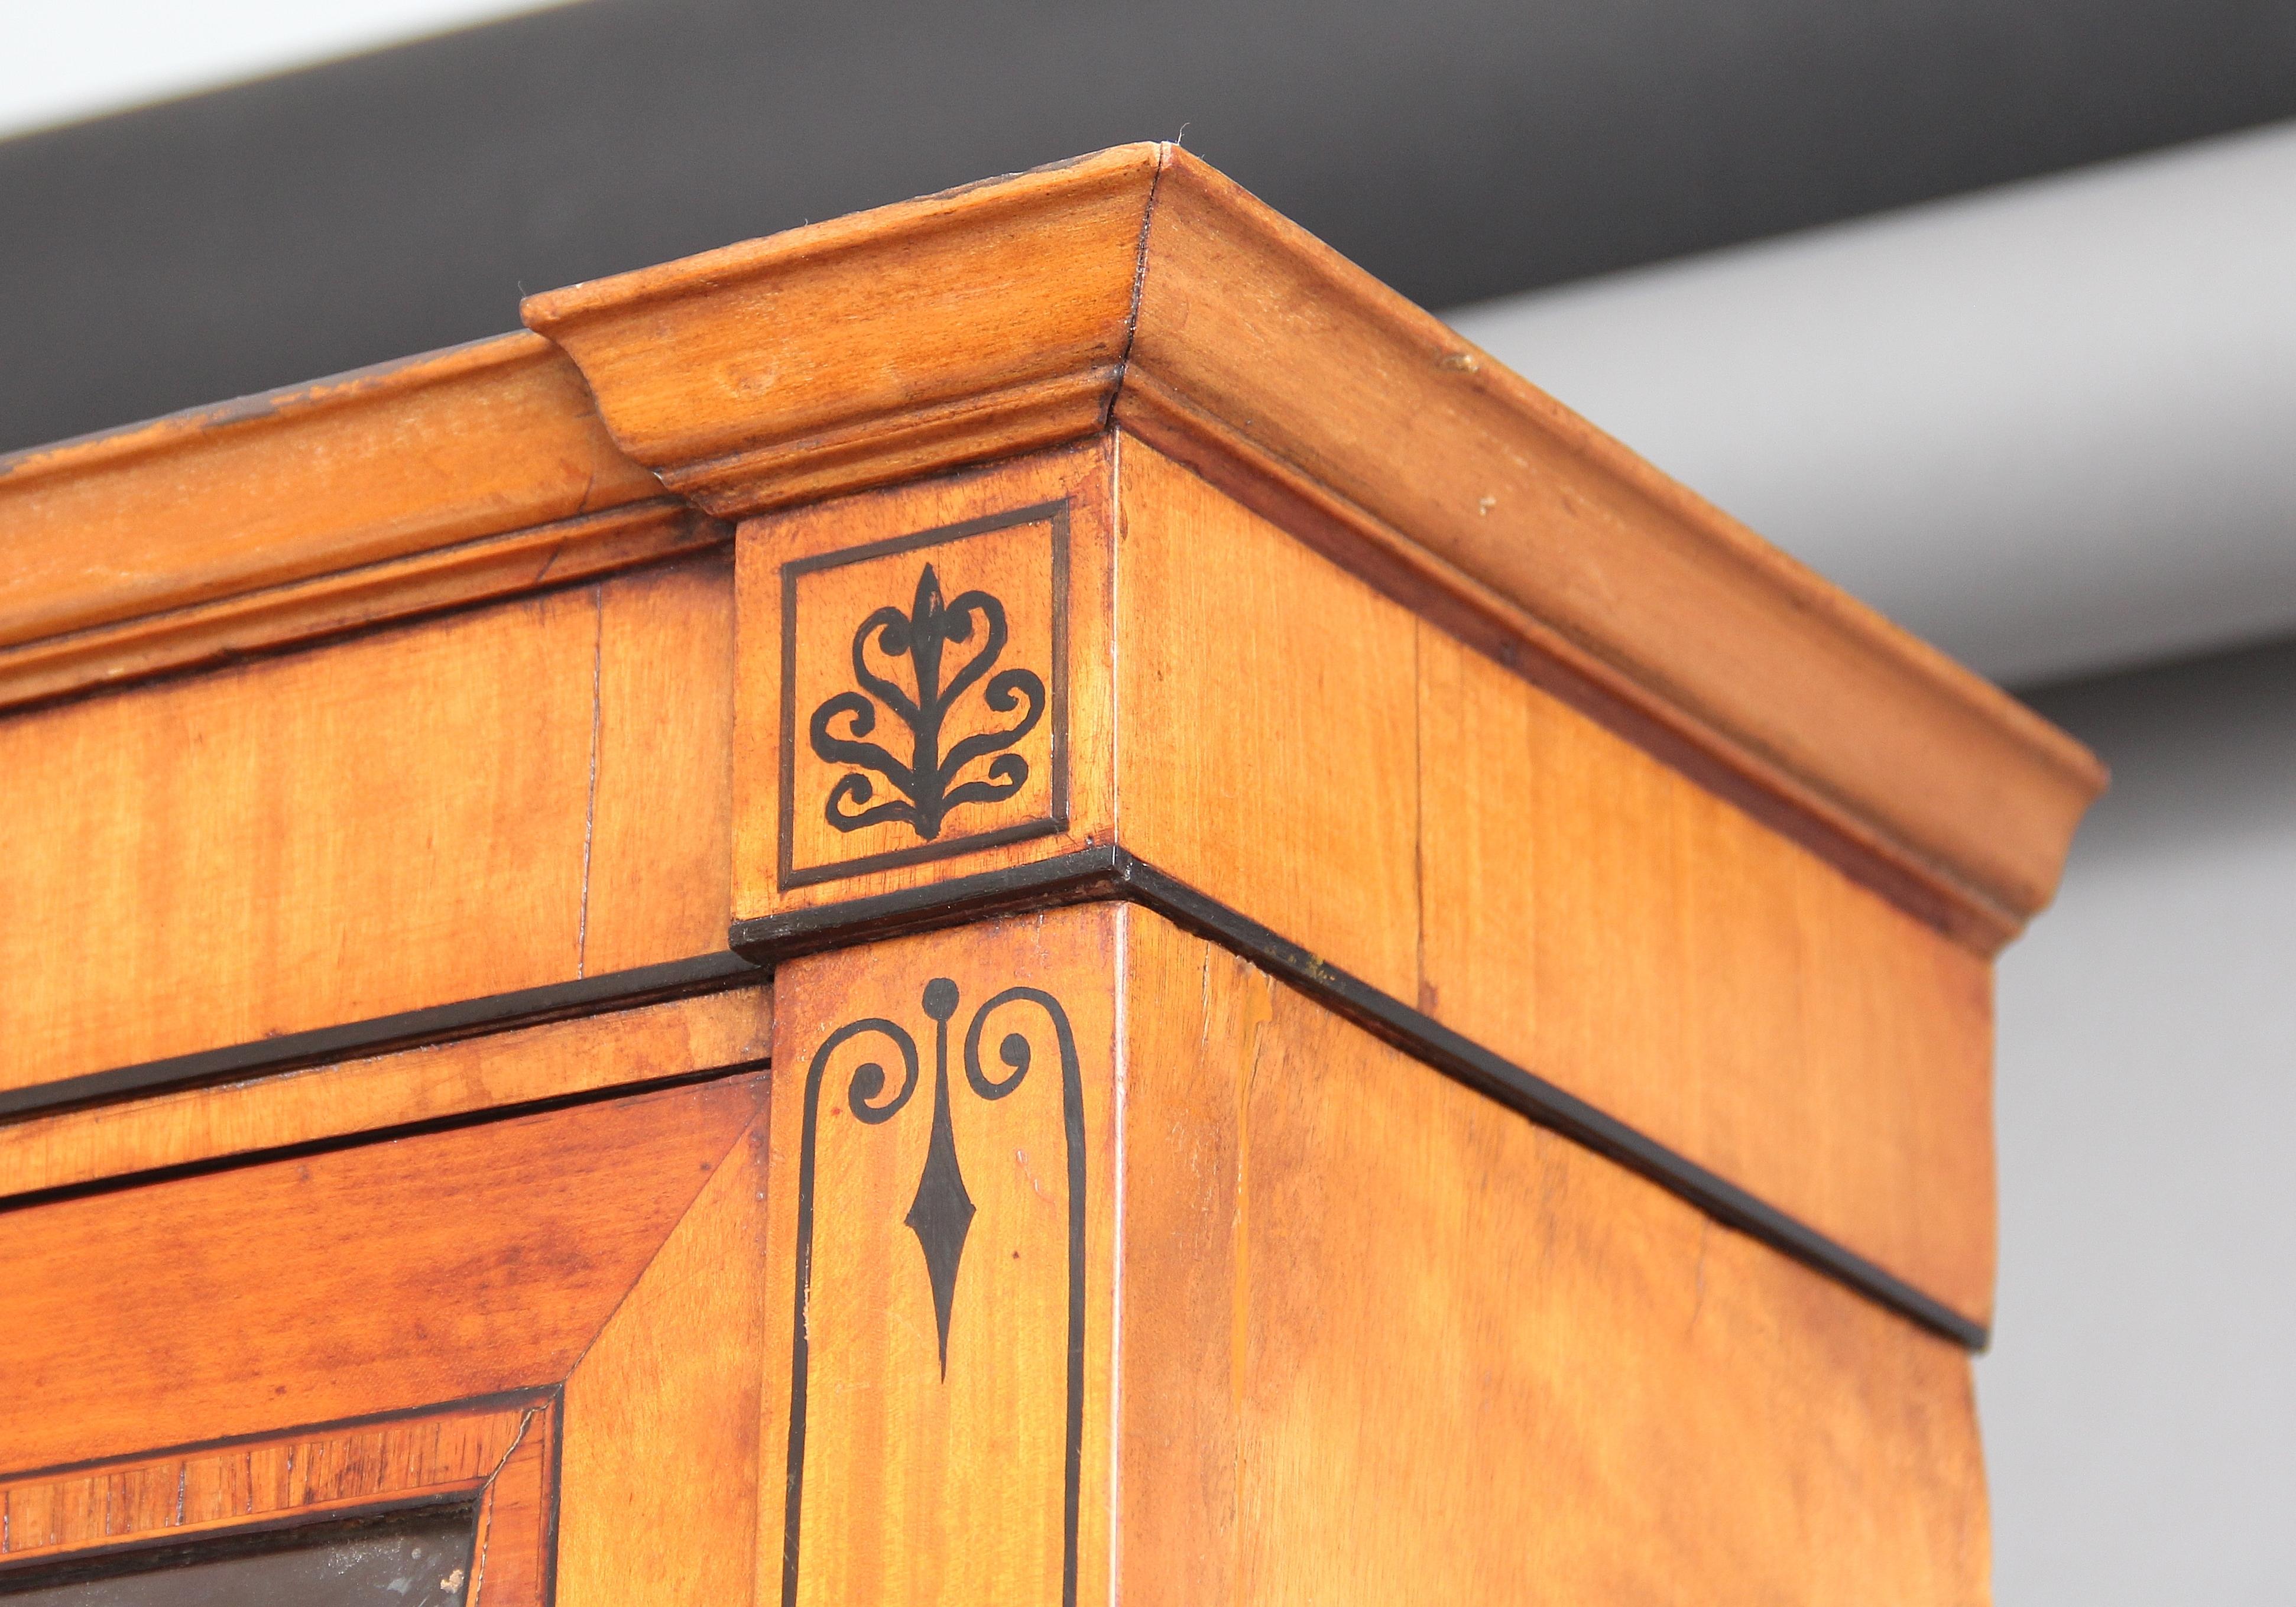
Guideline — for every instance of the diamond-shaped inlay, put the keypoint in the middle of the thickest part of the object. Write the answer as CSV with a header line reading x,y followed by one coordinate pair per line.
x,y
941,1214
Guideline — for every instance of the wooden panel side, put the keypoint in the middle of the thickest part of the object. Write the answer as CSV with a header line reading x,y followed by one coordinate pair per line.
x,y
1194,1017
1504,515
1267,751
660,1477
411,1085
377,1279
661,851
1463,1359
1591,914
500,800
393,823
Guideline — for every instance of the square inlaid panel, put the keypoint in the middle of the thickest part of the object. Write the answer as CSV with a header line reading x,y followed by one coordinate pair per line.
x,y
924,695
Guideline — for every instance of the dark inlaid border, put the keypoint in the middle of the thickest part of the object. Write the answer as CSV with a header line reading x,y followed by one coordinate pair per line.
x,y
466,1018
1089,874
1109,871
1055,820
858,1102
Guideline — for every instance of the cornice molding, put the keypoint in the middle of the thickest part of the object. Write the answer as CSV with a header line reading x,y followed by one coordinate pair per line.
x,y
961,327
440,480
1139,288
1134,289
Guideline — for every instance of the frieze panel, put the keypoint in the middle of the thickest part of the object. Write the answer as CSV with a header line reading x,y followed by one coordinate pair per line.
x,y
924,696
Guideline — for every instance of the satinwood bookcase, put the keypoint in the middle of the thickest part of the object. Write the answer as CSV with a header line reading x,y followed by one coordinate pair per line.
x,y
1028,900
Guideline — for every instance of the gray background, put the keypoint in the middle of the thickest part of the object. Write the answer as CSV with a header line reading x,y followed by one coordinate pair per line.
x,y
2139,1400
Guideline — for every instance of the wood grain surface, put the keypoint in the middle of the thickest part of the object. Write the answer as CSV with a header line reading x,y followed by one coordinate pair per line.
x,y
965,326
405,819
1267,745
1262,355
1588,913
1300,747
660,1476
1135,287
1386,1341
301,1476
440,479
660,872
514,1557
979,1476
388,1277
455,1079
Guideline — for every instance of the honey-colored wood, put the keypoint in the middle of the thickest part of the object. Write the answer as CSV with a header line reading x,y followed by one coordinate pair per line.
x,y
1186,1336
1387,1341
996,319
1300,747
1268,749
1297,746
457,1078
290,844
915,1476
1380,1337
1260,354
299,1476
402,820
1589,913
387,1277
515,1558
659,876
1062,1256
333,604
1049,576
964,327
442,480
658,1489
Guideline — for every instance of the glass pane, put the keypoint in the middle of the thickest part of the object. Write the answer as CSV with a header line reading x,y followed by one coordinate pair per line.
x,y
420,1559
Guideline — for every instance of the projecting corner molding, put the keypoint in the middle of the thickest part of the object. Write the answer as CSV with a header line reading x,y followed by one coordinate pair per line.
x,y
1134,289
456,477
1139,290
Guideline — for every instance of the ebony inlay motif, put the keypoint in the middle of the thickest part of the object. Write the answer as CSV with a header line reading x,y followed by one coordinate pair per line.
x,y
940,1215
926,741
931,783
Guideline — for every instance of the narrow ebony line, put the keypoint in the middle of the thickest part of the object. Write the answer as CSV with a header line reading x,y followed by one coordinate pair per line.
x,y
1109,871
1077,877
363,1137
527,1006
528,1397
1429,1040
1099,873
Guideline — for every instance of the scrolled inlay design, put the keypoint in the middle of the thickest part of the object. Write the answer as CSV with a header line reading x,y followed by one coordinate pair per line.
x,y
931,781
941,1211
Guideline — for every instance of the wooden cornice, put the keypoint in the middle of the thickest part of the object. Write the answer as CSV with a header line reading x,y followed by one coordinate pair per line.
x,y
964,327
1136,289
1139,287
425,484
